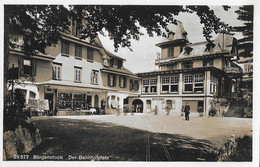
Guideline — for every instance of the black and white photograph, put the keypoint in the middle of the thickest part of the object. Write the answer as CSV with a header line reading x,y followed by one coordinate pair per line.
x,y
109,83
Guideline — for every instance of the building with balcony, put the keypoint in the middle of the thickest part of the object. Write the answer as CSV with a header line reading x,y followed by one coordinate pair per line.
x,y
189,72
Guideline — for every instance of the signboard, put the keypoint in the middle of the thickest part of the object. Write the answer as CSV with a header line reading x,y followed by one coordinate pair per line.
x,y
232,70
158,99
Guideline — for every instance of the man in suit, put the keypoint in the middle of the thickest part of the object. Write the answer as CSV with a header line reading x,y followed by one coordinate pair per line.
x,y
187,111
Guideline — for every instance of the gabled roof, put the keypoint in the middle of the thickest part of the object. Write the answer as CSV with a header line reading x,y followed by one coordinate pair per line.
x,y
113,55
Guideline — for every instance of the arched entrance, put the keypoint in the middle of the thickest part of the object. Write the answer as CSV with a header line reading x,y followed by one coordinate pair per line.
x,y
137,106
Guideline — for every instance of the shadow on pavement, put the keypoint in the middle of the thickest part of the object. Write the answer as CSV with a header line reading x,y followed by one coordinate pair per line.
x,y
88,138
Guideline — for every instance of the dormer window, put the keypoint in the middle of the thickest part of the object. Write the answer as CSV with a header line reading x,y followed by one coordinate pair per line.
x,y
188,50
184,34
187,64
171,35
210,46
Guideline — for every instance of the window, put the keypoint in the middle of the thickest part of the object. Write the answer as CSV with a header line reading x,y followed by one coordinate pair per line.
x,y
111,80
145,85
120,64
165,84
78,52
172,66
90,54
65,48
170,84
153,83
188,83
131,86
198,85
208,62
27,67
122,82
94,77
77,74
171,52
213,84
57,71
32,95
136,86
149,86
187,50
210,46
188,64
193,83
174,84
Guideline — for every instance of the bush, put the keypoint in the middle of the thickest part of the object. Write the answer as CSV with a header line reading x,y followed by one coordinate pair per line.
x,y
243,150
236,149
14,113
213,112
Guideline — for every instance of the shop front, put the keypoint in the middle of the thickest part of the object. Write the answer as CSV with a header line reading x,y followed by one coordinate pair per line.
x,y
75,100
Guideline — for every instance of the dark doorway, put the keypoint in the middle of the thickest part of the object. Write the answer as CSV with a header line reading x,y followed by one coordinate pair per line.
x,y
96,101
49,97
137,105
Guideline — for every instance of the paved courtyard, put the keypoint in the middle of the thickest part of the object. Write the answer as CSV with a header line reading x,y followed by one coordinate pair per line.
x,y
137,137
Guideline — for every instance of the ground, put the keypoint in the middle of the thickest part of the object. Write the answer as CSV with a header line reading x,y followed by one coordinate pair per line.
x,y
137,137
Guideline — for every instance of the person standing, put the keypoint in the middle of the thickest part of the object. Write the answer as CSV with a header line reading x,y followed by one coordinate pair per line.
x,y
187,111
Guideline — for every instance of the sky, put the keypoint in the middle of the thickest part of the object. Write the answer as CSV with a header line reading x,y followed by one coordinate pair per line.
x,y
145,52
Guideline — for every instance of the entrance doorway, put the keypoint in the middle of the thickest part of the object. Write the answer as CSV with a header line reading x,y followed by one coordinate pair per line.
x,y
49,97
96,101
137,104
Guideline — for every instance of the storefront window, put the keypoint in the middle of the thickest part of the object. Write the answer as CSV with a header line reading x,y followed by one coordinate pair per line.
x,y
73,101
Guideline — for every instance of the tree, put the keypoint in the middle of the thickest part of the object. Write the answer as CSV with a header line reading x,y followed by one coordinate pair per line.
x,y
40,25
123,22
245,13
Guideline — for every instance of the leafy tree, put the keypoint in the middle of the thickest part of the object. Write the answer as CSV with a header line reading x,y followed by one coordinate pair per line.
x,y
245,13
39,25
123,22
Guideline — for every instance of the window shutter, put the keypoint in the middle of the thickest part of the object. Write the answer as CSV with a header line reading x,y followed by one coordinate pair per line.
x,y
125,82
114,81
34,67
20,61
108,80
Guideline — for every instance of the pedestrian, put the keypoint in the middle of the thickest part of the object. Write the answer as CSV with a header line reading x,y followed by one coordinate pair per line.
x,y
133,109
155,110
187,111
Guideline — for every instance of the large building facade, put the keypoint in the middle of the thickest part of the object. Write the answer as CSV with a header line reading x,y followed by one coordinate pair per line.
x,y
75,76
194,73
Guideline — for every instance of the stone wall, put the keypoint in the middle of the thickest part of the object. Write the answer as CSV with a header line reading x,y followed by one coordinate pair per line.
x,y
19,141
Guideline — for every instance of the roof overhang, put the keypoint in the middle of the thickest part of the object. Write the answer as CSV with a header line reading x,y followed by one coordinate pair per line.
x,y
119,73
38,56
172,42
71,38
177,71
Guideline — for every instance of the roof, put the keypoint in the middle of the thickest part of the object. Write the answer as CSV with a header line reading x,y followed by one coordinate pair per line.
x,y
113,55
178,30
199,49
179,34
39,55
122,71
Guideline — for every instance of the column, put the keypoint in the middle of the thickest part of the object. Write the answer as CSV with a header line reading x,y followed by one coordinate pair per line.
x,y
180,83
